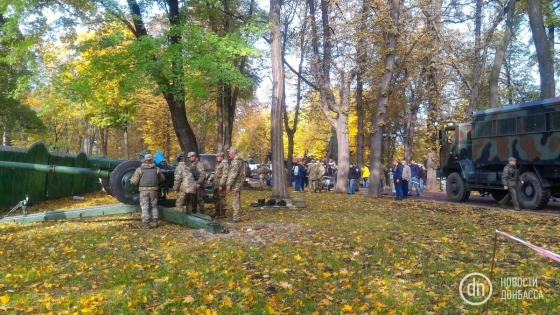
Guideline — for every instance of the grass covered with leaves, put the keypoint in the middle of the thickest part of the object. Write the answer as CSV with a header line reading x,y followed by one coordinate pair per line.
x,y
341,255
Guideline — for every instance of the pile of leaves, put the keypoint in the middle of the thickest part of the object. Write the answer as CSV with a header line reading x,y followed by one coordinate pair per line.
x,y
342,254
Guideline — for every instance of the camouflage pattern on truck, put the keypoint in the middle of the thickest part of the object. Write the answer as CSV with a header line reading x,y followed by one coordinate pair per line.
x,y
529,132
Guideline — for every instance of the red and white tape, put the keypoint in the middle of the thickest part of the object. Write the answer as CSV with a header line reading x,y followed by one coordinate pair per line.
x,y
541,250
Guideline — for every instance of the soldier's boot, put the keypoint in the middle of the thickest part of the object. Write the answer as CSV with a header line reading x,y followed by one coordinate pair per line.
x,y
155,223
147,225
517,209
502,205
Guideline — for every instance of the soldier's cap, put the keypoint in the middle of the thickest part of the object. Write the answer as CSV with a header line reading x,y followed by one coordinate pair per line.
x,y
234,150
148,157
219,153
512,159
190,154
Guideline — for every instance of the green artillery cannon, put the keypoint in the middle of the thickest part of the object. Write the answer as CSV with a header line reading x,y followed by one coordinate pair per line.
x,y
115,175
115,178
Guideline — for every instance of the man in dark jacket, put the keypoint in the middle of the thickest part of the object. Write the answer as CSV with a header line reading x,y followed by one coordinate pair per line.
x,y
353,175
510,177
397,179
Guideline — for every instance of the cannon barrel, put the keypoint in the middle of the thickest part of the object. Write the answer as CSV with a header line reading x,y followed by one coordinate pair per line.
x,y
114,176
56,169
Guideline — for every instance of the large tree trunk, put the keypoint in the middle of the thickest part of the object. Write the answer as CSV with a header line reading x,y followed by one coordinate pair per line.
x,y
183,129
542,46
432,72
279,187
382,98
341,130
499,57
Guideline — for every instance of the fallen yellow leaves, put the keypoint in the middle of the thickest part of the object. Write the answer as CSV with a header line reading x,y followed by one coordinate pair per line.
x,y
363,257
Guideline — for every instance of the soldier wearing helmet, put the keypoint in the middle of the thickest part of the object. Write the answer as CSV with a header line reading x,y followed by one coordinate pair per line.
x,y
148,177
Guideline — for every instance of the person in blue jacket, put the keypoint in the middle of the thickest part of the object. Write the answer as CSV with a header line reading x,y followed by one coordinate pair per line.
x,y
299,175
397,179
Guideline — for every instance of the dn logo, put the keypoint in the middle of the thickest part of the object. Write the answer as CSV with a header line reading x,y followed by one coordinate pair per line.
x,y
475,288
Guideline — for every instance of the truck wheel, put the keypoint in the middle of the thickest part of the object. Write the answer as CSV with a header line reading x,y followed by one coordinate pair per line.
x,y
532,195
120,183
456,188
498,194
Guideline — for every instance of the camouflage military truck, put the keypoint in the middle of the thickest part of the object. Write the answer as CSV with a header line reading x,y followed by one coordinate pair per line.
x,y
473,155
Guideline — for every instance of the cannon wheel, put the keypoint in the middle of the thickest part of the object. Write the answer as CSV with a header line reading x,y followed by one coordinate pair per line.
x,y
120,183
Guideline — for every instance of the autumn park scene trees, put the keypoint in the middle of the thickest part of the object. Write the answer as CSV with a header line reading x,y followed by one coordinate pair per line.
x,y
360,82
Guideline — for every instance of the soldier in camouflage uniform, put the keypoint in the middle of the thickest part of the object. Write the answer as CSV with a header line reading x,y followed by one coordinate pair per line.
x,y
219,182
316,172
509,179
263,173
322,172
148,177
235,180
311,173
184,187
199,174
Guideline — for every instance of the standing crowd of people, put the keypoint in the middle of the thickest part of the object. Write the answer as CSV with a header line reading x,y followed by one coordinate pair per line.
x,y
407,178
189,180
